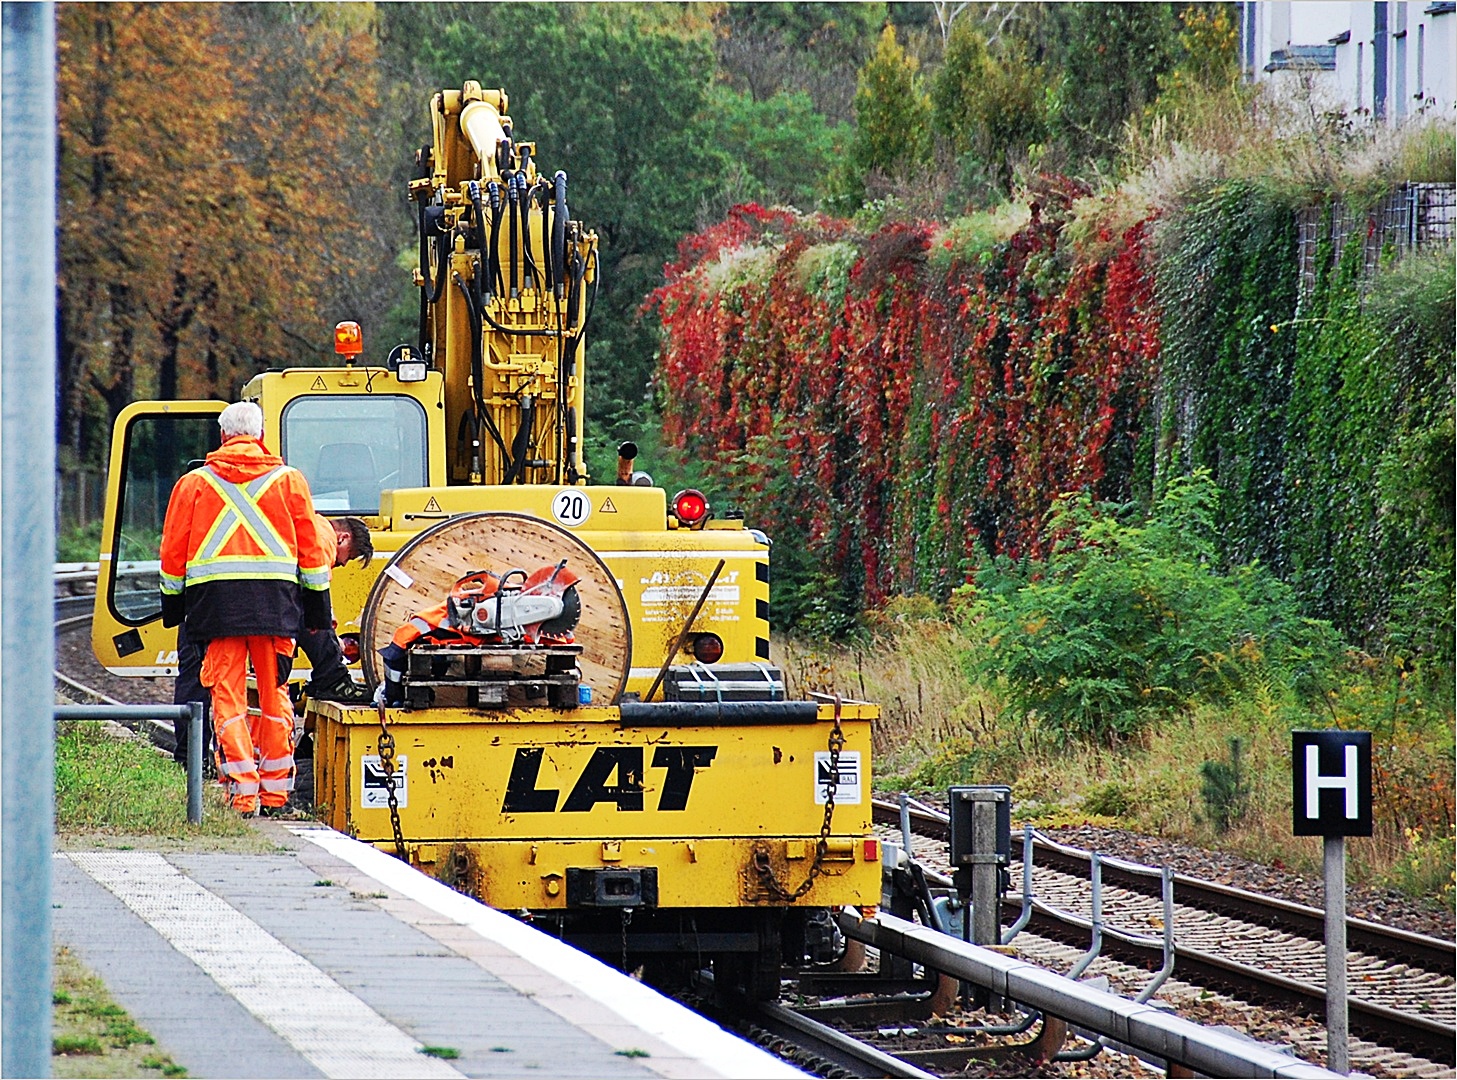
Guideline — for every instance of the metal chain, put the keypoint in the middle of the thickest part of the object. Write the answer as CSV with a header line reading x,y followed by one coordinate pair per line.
x,y
765,869
387,762
626,920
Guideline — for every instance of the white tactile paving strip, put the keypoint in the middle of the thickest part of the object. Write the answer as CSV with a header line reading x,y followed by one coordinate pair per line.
x,y
335,1031
706,1048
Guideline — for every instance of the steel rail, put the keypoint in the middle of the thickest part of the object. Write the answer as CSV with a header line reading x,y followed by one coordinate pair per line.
x,y
1140,1027
1429,953
820,1040
850,1054
1420,950
1380,1023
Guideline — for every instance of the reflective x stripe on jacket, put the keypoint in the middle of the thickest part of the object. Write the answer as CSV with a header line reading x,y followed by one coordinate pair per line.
x,y
241,511
243,517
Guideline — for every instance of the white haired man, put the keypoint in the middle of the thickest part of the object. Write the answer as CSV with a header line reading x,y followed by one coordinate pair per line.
x,y
245,567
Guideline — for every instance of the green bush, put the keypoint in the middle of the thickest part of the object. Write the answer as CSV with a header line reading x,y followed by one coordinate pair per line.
x,y
79,543
1127,623
1111,799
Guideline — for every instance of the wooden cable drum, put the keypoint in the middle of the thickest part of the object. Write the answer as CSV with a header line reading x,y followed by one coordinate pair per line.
x,y
423,572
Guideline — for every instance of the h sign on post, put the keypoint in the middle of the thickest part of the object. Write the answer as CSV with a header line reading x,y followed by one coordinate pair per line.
x,y
1332,783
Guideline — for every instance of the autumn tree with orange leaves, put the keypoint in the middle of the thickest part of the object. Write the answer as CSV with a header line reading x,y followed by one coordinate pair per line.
x,y
212,160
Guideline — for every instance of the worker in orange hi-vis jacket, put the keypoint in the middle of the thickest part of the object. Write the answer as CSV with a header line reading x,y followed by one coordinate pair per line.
x,y
245,565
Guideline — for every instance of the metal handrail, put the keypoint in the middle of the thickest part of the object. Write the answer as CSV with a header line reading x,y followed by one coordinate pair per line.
x,y
1027,895
1139,1026
191,712
1097,944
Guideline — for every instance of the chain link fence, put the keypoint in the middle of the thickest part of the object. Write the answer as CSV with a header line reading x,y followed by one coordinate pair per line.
x,y
1411,218
80,495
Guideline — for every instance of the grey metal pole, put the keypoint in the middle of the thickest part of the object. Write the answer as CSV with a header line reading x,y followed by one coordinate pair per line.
x,y
1337,1028
27,529
984,915
986,920
194,763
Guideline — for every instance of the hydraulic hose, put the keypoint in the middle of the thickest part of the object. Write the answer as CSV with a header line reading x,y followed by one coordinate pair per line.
x,y
432,288
520,331
511,199
493,191
543,190
430,291
573,297
529,258
477,367
482,287
568,273
572,474
468,423
522,440
559,230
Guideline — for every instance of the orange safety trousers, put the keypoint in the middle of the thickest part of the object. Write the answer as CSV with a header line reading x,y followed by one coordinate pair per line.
x,y
255,755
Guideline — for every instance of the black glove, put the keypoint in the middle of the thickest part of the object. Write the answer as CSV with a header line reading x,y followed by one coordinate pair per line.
x,y
173,609
318,614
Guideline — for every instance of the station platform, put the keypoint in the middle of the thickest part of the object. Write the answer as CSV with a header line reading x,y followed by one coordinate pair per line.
x,y
327,957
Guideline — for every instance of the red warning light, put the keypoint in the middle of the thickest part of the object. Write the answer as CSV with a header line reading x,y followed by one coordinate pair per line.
x,y
690,507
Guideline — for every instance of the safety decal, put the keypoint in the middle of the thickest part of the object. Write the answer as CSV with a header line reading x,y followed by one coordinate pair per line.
x,y
431,507
571,507
319,384
608,506
847,787
373,794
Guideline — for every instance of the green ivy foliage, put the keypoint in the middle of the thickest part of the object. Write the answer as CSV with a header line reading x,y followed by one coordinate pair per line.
x,y
1325,417
1127,623
1226,275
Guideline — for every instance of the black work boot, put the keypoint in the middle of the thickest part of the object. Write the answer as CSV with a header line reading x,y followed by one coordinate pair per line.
x,y
344,690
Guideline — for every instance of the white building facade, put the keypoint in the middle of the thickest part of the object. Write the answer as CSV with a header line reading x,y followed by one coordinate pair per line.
x,y
1386,60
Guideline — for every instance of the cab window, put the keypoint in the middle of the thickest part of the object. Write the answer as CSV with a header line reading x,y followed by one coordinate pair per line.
x,y
353,447
160,448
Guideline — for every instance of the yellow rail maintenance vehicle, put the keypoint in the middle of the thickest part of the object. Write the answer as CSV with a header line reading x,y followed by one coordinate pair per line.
x,y
578,719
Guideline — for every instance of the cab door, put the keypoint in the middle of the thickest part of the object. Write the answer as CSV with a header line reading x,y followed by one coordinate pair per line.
x,y
153,445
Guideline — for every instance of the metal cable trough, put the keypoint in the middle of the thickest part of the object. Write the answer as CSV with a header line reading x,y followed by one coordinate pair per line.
x,y
1141,1027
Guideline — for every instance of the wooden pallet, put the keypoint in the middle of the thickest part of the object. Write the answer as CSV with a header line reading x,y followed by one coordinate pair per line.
x,y
494,675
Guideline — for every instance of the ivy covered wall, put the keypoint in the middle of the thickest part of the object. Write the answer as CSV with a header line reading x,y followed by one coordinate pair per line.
x,y
892,405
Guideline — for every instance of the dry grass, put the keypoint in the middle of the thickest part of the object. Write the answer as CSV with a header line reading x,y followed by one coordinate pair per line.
x,y
939,728
921,708
1290,138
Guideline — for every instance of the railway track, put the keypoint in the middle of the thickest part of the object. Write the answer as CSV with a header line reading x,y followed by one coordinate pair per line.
x,y
1258,950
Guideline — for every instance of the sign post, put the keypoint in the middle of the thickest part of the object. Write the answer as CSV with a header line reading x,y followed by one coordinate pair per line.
x,y
1331,776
